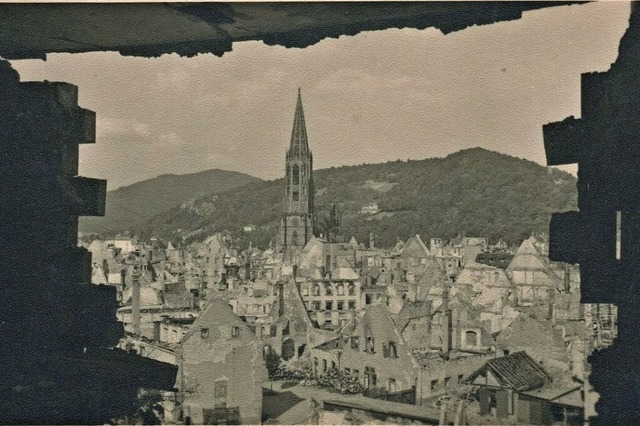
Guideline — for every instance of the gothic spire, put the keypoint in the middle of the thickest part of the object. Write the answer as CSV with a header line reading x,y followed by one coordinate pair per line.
x,y
299,144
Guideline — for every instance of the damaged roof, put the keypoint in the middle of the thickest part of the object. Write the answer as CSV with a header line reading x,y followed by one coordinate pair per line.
x,y
517,371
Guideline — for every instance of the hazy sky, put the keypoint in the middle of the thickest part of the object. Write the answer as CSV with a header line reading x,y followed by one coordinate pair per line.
x,y
374,97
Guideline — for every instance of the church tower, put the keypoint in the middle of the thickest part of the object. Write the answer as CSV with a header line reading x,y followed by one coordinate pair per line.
x,y
296,227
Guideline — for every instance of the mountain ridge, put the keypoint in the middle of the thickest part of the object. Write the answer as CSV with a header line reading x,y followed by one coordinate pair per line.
x,y
133,204
475,190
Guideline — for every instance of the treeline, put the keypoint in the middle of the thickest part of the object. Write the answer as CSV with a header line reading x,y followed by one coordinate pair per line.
x,y
479,192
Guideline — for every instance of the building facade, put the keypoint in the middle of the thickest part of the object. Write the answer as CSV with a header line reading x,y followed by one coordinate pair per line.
x,y
220,369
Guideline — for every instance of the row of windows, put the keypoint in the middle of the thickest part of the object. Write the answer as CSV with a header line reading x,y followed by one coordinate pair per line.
x,y
447,381
389,349
329,289
340,305
270,330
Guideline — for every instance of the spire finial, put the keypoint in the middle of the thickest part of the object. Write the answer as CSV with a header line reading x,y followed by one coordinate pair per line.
x,y
298,90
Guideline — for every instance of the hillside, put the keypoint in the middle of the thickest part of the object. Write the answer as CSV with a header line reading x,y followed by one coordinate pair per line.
x,y
132,205
477,191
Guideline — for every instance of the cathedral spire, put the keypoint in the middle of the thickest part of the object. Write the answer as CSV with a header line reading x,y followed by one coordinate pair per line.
x,y
296,228
299,144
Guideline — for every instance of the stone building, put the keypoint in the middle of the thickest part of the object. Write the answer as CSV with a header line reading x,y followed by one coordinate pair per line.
x,y
296,226
220,369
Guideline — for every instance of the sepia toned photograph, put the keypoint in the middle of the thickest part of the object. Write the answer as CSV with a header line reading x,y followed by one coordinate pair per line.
x,y
320,213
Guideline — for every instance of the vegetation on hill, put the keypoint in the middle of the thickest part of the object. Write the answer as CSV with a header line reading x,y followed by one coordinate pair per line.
x,y
475,191
131,206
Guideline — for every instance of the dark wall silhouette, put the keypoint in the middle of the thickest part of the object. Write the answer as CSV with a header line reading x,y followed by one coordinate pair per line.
x,y
604,236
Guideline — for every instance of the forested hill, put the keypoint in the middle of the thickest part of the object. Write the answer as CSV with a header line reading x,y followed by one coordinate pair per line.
x,y
130,206
479,192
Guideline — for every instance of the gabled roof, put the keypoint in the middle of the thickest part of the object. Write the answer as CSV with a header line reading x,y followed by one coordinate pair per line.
x,y
353,243
98,276
432,276
517,371
415,248
528,257
217,313
312,256
294,308
377,323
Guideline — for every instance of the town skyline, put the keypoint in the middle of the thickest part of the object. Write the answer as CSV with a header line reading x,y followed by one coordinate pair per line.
x,y
471,88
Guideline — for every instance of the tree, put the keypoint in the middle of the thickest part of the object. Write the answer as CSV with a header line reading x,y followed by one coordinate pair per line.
x,y
272,361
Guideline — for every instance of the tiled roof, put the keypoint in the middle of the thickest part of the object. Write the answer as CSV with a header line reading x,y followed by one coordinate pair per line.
x,y
517,371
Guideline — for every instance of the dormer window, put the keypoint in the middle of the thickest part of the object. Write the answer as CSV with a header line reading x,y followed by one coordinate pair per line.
x,y
204,333
235,331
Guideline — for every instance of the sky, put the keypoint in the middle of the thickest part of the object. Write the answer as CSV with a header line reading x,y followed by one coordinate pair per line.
x,y
375,97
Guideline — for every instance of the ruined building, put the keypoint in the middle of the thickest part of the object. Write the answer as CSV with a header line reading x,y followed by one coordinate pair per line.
x,y
296,227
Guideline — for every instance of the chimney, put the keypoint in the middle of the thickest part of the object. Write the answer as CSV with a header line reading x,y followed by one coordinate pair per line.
x,y
371,246
551,301
123,278
567,278
446,320
135,301
281,299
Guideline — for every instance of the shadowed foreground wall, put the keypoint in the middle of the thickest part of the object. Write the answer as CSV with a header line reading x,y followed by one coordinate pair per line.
x,y
54,324
604,236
